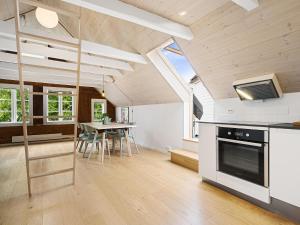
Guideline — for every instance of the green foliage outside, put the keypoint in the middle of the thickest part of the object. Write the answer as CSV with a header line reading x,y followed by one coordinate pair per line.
x,y
5,105
54,102
98,114
7,99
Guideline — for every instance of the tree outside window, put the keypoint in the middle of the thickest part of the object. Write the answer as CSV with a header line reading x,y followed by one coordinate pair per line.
x,y
11,105
60,106
98,109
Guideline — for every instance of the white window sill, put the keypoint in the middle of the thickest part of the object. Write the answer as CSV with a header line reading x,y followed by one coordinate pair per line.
x,y
196,140
13,124
59,123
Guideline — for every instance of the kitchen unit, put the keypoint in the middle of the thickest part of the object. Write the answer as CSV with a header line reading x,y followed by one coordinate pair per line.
x,y
259,160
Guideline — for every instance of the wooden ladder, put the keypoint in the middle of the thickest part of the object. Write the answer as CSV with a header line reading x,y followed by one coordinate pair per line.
x,y
38,38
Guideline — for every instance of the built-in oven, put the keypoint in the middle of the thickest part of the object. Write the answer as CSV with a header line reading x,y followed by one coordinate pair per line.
x,y
244,153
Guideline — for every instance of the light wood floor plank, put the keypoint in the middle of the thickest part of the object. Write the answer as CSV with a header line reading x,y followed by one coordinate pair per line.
x,y
145,189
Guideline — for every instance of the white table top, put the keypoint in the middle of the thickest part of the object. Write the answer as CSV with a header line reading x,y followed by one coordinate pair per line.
x,y
100,126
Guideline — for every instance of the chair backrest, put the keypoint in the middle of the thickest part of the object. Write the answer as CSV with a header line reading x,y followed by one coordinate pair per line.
x,y
81,127
121,132
89,131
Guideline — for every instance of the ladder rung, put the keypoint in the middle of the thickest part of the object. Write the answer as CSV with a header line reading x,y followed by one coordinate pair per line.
x,y
55,94
50,156
49,117
47,39
51,173
58,10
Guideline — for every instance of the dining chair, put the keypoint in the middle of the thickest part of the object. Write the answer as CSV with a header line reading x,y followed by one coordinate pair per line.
x,y
82,137
131,136
120,136
96,140
116,135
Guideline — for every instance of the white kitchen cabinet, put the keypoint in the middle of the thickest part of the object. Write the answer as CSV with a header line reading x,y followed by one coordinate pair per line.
x,y
207,151
285,165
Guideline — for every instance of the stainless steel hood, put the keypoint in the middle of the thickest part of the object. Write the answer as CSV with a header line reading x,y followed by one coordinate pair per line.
x,y
258,88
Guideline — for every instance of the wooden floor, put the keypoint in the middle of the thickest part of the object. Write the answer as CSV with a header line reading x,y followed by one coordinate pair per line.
x,y
144,189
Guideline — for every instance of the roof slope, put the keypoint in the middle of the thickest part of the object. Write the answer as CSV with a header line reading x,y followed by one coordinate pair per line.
x,y
229,43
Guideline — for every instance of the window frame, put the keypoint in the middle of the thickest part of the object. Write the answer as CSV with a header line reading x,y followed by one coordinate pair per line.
x,y
170,65
14,110
97,100
46,89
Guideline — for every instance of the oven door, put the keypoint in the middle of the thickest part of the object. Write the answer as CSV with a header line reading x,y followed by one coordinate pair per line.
x,y
246,160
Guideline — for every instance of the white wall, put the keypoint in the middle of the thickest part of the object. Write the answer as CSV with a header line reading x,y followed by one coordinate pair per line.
x,y
285,109
169,73
159,126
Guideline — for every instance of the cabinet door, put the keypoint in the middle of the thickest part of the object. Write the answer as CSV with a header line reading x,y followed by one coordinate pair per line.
x,y
285,165
207,151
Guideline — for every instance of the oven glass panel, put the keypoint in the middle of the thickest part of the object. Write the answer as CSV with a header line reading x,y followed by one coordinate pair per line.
x,y
243,161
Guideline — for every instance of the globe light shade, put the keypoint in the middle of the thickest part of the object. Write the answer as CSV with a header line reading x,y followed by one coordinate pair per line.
x,y
46,18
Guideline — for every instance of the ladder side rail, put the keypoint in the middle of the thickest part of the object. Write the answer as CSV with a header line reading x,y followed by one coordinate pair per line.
x,y
77,95
21,82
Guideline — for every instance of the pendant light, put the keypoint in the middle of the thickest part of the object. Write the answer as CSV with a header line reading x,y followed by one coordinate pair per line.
x,y
103,93
46,18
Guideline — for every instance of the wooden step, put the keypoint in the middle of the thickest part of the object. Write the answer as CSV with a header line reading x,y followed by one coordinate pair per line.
x,y
185,158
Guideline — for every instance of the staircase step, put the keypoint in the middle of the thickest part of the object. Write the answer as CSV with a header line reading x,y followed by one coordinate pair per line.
x,y
185,158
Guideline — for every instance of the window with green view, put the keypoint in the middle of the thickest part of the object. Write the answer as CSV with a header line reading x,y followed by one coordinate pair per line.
x,y
98,109
11,105
60,106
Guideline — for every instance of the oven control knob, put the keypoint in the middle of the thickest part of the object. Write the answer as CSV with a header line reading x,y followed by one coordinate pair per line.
x,y
229,133
247,134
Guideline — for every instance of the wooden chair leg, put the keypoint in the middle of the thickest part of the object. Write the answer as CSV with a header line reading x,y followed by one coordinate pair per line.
x,y
92,148
121,147
97,146
80,148
113,145
86,146
107,145
136,147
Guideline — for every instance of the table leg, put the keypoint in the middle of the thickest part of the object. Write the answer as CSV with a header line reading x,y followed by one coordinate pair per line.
x,y
128,143
103,147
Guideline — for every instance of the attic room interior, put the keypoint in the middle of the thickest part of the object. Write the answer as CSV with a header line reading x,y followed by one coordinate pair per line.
x,y
148,112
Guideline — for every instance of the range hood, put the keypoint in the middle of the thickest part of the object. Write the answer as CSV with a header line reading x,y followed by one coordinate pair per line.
x,y
258,88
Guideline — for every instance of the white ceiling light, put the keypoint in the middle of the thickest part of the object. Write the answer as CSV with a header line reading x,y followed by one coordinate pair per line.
x,y
46,18
183,13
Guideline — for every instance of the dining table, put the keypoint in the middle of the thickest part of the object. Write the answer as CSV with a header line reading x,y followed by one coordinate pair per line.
x,y
100,127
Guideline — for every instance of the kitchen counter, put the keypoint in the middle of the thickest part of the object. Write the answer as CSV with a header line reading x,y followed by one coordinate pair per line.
x,y
285,126
254,124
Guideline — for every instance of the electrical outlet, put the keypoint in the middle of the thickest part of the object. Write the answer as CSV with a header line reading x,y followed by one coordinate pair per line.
x,y
230,111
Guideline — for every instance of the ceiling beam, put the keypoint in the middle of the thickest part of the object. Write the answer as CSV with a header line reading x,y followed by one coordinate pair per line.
x,y
121,10
53,73
247,4
107,51
51,64
42,50
7,30
11,76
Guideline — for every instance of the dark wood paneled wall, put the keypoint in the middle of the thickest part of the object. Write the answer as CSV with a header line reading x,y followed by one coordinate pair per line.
x,y
86,94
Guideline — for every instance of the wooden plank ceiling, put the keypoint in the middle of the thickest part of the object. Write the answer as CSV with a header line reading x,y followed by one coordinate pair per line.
x,y
229,43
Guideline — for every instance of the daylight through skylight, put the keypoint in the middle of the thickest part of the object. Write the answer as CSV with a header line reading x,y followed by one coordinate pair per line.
x,y
176,57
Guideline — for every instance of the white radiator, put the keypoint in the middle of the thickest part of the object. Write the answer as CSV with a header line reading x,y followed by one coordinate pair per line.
x,y
39,137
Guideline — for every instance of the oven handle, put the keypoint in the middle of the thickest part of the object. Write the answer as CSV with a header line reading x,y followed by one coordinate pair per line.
x,y
240,142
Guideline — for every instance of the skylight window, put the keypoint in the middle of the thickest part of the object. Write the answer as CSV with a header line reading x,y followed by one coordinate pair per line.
x,y
177,59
